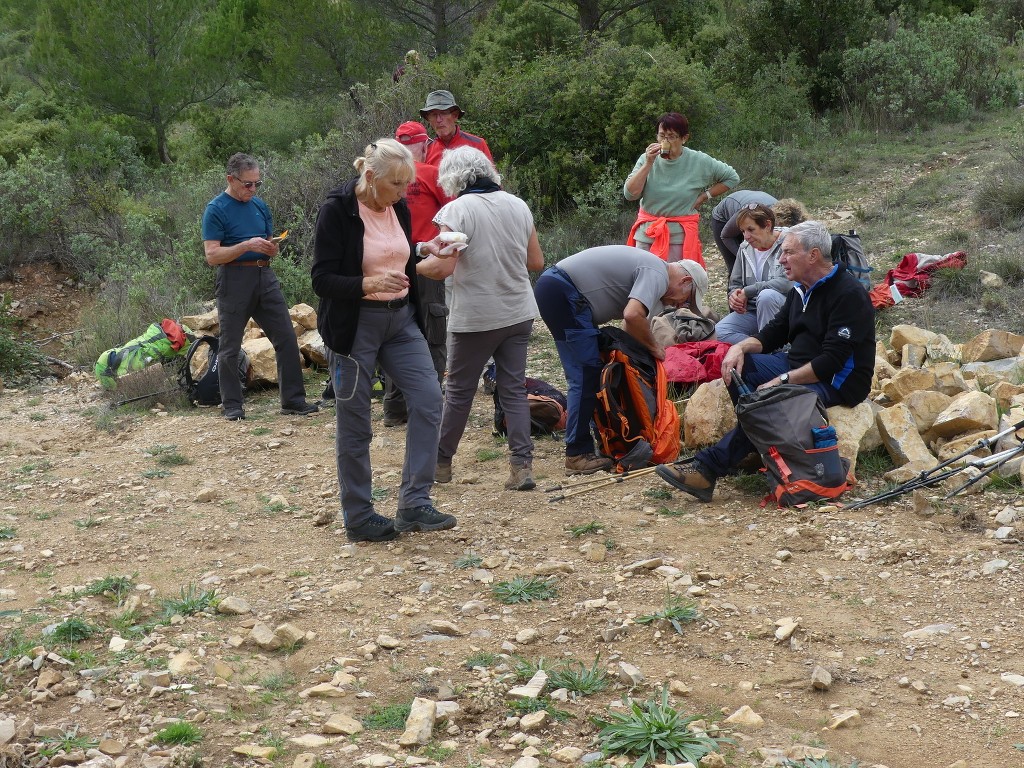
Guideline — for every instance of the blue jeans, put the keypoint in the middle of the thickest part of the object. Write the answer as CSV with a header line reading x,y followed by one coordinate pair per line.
x,y
724,456
568,316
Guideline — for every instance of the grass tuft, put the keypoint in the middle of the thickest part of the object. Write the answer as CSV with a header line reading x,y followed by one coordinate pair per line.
x,y
655,732
191,600
387,717
522,707
469,560
524,589
594,526
68,742
179,733
578,678
117,588
676,612
74,630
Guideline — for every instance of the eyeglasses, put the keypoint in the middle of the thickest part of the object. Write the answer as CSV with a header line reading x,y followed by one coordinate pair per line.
x,y
670,136
248,184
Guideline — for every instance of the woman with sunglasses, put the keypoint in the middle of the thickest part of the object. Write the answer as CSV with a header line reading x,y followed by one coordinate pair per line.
x,y
672,181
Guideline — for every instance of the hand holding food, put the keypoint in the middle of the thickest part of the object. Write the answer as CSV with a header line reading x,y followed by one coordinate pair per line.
x,y
455,242
280,238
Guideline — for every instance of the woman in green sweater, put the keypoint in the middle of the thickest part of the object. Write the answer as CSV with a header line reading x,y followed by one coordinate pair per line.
x,y
672,182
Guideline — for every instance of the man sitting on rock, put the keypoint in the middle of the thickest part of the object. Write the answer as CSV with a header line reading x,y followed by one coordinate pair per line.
x,y
829,324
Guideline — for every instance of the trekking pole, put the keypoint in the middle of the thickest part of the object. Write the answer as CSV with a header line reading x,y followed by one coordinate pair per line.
x,y
601,479
127,400
924,479
601,483
1003,458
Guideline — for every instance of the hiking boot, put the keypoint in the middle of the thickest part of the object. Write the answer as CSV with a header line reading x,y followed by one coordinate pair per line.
x,y
692,478
424,518
235,414
394,420
520,478
300,410
587,464
374,528
443,473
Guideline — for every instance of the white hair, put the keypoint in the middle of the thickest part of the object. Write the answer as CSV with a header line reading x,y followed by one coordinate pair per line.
x,y
461,167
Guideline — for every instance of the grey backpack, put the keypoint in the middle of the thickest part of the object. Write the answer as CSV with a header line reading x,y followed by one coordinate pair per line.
x,y
789,427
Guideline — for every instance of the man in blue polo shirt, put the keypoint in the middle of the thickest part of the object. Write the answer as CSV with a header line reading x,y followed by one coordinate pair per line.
x,y
237,232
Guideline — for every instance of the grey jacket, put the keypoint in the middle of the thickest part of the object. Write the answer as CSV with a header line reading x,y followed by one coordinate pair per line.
x,y
772,274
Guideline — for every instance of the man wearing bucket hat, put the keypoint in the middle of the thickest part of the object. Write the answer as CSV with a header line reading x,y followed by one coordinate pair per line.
x,y
590,288
425,199
444,114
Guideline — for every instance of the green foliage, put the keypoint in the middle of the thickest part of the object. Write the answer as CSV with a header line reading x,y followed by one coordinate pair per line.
x,y
1000,198
525,669
387,717
182,733
654,728
594,526
68,742
937,71
8,532
117,588
15,645
578,678
482,659
190,600
874,463
73,630
524,589
147,59
526,706
469,560
676,612
816,762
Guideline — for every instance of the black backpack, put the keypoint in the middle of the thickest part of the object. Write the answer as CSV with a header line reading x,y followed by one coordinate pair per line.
x,y
205,390
547,406
849,250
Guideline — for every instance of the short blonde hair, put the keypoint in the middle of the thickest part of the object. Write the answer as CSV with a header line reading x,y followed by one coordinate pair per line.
x,y
387,159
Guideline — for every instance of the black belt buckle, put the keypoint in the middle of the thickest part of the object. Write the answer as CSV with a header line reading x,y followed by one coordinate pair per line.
x,y
397,303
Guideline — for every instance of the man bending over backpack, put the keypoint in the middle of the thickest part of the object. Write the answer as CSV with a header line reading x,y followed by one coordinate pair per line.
x,y
829,324
577,295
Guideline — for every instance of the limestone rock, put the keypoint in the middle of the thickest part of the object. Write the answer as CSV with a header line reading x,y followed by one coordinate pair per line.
x,y
629,674
941,349
901,439
533,688
1004,392
908,380
304,315
851,424
526,761
567,755
534,721
309,741
312,347
745,716
925,406
969,412
846,719
263,636
961,444
949,379
419,726
8,730
262,360
709,415
594,551
821,678
183,663
903,334
988,374
233,606
343,724
256,750
992,344
208,322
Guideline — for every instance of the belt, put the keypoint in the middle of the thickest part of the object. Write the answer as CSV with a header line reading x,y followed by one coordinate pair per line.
x,y
560,274
255,263
390,304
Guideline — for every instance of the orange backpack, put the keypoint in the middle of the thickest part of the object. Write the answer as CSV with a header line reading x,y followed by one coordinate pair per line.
x,y
637,425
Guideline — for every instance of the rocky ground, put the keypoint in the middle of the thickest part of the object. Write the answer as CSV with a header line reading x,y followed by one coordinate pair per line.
x,y
163,567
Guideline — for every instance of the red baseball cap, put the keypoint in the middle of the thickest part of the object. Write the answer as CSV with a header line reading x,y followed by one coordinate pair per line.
x,y
411,133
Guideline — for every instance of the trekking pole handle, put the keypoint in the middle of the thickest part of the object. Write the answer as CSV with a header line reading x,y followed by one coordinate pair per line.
x,y
741,385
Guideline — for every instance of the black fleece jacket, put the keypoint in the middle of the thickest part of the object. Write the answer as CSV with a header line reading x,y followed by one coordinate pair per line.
x,y
337,268
830,325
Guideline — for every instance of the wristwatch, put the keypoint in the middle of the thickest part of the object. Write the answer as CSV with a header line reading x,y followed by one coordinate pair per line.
x,y
783,378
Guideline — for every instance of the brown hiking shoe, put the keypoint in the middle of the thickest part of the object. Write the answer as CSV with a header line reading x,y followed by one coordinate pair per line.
x,y
587,464
443,473
520,478
692,478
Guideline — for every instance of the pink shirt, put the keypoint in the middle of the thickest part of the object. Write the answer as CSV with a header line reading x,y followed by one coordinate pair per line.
x,y
385,247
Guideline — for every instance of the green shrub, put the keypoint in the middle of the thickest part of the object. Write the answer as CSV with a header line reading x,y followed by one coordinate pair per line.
x,y
938,71
18,355
999,201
